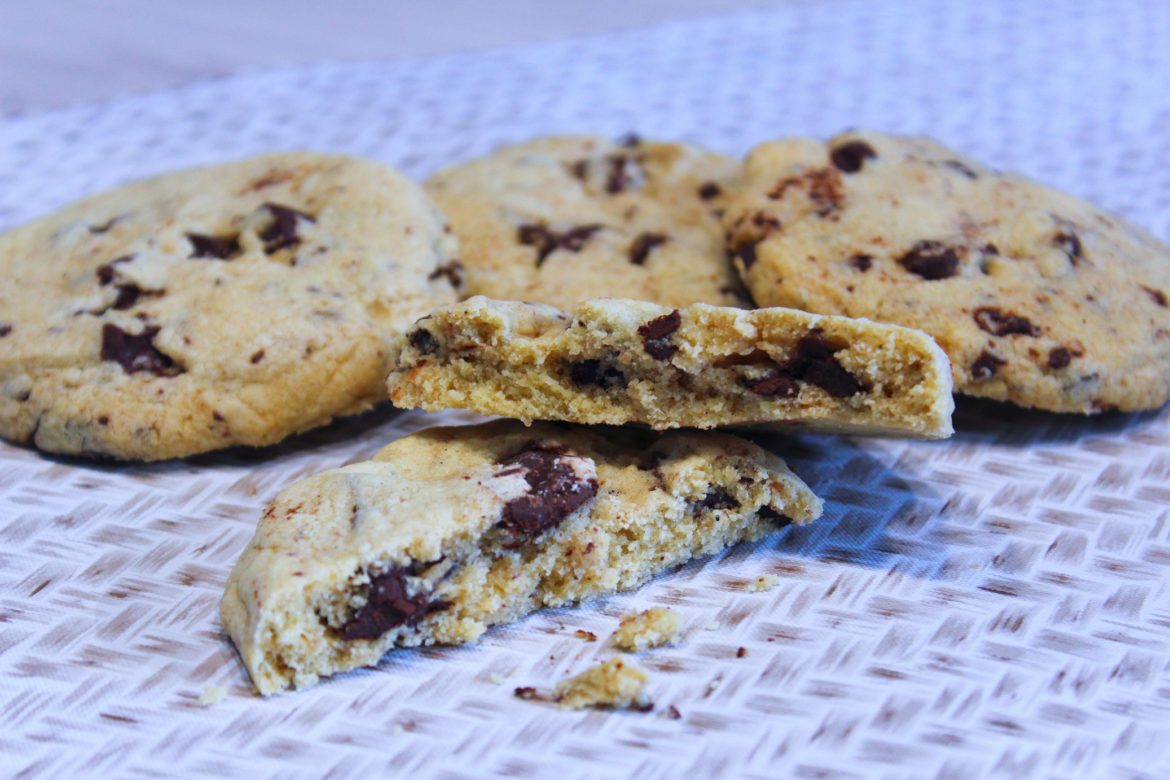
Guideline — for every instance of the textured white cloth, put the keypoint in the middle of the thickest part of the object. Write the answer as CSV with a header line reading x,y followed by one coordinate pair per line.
x,y
997,605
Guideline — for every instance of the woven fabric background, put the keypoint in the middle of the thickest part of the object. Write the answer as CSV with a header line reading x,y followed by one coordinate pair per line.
x,y
996,605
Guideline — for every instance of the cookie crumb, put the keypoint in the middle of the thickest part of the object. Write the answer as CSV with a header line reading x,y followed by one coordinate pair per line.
x,y
615,684
741,652
212,695
765,582
644,630
672,713
712,626
586,636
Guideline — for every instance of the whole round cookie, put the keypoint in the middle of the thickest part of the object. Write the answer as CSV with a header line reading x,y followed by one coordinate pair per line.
x,y
232,304
1037,297
563,219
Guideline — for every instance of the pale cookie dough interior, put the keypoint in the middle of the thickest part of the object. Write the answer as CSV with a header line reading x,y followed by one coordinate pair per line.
x,y
620,361
233,304
1038,297
558,220
451,530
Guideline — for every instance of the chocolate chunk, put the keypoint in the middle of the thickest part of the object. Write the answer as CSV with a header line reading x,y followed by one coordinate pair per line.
x,y
1157,296
656,335
774,385
5,329
136,353
257,356
128,295
388,606
595,373
765,222
219,248
990,249
547,241
997,323
281,233
985,366
710,190
452,270
851,156
1069,243
931,260
861,262
716,498
774,517
579,169
1058,358
105,273
643,245
424,341
814,363
556,491
961,167
747,253
618,179
575,238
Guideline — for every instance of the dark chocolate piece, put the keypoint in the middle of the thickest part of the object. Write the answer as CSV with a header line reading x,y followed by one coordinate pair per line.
x,y
1058,358
998,323
710,190
136,353
851,156
986,366
656,335
216,247
388,606
931,260
424,341
452,270
556,491
716,498
281,233
643,245
596,373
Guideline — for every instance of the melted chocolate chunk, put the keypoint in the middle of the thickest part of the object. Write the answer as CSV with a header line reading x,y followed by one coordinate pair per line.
x,y
1069,243
656,335
710,190
985,366
716,498
128,295
747,253
775,385
851,156
617,178
548,241
861,262
595,373
216,247
389,605
643,245
931,260
1157,296
1058,358
281,233
136,353
961,167
424,341
105,273
556,491
5,329
997,323
452,270
774,517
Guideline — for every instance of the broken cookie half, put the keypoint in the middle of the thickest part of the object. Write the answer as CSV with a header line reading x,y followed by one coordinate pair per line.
x,y
451,530
617,361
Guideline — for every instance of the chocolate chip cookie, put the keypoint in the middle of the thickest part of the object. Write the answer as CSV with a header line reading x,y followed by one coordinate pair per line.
x,y
1038,297
234,304
451,530
620,361
562,219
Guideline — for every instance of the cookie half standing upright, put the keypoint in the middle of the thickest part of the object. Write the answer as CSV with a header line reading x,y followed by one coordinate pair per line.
x,y
452,530
1038,297
621,361
559,220
232,304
